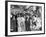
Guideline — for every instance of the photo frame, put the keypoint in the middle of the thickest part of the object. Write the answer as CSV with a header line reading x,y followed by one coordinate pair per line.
x,y
15,9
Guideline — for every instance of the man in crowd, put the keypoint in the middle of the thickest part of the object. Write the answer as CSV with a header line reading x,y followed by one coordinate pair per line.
x,y
27,23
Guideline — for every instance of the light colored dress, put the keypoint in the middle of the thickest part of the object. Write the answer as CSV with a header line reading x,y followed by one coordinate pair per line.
x,y
21,24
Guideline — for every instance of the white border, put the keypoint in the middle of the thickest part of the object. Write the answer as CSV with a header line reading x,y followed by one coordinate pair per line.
x,y
32,32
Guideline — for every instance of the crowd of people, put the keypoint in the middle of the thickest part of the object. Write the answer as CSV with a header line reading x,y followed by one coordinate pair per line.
x,y
26,19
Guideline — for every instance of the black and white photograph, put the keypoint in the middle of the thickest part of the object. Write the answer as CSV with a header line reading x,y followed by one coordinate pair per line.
x,y
25,18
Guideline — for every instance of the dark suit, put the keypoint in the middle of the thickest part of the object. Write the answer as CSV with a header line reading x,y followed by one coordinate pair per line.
x,y
27,24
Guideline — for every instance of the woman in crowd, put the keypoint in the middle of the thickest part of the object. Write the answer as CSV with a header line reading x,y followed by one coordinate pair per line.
x,y
21,23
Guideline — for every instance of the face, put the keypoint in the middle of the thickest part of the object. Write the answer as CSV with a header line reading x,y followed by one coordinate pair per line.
x,y
27,16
